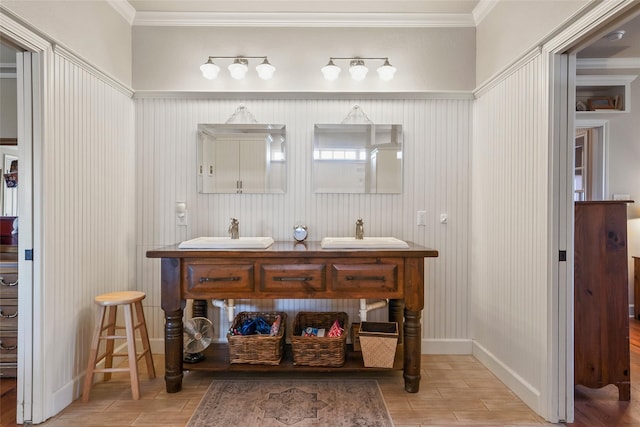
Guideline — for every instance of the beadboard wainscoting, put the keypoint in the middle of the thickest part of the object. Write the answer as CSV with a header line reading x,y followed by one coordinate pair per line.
x,y
88,202
510,267
437,142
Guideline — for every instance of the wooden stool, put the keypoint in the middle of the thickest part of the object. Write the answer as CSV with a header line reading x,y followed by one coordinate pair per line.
x,y
128,299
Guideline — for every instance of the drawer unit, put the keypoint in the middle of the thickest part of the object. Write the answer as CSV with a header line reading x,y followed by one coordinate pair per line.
x,y
218,278
8,346
8,291
295,279
358,280
8,317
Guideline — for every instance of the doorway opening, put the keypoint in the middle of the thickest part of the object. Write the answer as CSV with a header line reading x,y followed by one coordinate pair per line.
x,y
589,171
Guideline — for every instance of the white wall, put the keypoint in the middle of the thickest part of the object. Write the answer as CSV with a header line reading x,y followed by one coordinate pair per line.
x,y
93,30
87,197
8,108
437,138
510,182
427,59
515,27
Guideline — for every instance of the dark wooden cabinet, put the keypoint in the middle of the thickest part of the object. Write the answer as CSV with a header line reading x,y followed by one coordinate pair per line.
x,y
288,270
636,287
601,296
8,311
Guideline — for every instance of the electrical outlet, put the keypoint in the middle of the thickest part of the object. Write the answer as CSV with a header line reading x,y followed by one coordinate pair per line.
x,y
421,218
181,218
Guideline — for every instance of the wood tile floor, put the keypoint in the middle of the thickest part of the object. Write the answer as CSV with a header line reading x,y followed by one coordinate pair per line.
x,y
455,391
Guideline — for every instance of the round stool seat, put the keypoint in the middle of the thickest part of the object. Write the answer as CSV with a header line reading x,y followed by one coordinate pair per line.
x,y
119,298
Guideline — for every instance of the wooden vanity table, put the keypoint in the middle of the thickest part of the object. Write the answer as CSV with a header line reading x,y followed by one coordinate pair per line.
x,y
287,270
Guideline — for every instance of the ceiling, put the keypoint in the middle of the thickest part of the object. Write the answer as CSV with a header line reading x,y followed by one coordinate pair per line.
x,y
440,10
627,47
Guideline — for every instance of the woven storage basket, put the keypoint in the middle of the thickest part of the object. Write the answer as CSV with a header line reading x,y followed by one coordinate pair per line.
x,y
257,349
378,341
319,351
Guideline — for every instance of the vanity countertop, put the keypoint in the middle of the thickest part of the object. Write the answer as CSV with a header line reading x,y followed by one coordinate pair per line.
x,y
281,248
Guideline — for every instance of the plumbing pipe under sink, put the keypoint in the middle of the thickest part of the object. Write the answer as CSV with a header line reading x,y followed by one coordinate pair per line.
x,y
228,304
366,307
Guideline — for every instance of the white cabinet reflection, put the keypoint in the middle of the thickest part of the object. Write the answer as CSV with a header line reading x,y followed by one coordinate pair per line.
x,y
241,158
357,158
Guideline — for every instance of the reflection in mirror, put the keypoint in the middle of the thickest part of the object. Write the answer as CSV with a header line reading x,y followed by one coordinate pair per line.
x,y
357,158
241,158
10,182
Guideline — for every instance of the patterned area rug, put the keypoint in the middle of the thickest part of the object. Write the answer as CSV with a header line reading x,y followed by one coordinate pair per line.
x,y
297,403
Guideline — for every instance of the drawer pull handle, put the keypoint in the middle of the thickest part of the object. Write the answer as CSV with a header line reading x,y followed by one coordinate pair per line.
x,y
375,278
220,279
293,279
8,316
10,348
2,282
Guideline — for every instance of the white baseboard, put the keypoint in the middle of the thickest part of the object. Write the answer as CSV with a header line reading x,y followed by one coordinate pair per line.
x,y
447,346
525,391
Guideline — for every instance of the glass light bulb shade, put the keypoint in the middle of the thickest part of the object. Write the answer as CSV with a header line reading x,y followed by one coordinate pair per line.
x,y
238,68
386,71
330,71
357,70
265,70
209,70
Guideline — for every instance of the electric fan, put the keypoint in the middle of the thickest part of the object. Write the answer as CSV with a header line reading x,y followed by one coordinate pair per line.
x,y
198,334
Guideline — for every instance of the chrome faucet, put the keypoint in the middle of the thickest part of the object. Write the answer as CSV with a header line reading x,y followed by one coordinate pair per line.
x,y
233,229
359,229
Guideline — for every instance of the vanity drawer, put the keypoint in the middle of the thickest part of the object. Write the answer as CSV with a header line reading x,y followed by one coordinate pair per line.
x,y
8,347
9,315
363,278
292,279
218,279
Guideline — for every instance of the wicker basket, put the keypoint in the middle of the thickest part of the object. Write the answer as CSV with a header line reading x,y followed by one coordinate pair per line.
x,y
319,351
257,349
378,341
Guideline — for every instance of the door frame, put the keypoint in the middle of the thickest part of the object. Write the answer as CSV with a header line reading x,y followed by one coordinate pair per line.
x,y
560,54
31,70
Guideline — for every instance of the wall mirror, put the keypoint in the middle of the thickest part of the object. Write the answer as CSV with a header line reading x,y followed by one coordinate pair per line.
x,y
241,158
357,158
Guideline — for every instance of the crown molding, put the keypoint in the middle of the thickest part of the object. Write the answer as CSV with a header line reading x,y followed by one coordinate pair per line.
x,y
607,63
124,8
417,95
482,9
295,19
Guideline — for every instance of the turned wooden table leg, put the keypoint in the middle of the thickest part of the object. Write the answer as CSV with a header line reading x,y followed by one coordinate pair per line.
x,y
199,308
173,342
173,307
412,350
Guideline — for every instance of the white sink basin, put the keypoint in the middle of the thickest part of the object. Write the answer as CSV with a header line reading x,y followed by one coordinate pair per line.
x,y
366,243
227,243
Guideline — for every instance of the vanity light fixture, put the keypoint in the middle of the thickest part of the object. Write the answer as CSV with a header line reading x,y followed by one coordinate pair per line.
x,y
358,69
238,68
